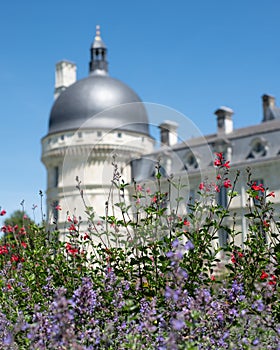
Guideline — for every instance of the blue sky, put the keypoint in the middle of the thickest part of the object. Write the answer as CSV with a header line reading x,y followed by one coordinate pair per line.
x,y
192,56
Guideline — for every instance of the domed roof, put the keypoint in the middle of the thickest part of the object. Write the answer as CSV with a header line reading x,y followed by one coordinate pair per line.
x,y
98,101
85,100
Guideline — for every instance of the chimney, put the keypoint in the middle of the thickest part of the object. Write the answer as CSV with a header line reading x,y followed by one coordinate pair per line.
x,y
268,106
224,120
65,75
168,133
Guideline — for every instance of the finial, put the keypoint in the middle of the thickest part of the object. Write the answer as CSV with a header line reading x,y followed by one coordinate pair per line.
x,y
97,34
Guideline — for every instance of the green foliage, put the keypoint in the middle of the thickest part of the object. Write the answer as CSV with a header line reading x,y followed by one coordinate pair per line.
x,y
155,248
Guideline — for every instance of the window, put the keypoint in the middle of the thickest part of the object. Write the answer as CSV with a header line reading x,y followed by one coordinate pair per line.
x,y
191,162
80,134
258,148
62,137
222,201
55,211
190,200
99,133
119,135
56,176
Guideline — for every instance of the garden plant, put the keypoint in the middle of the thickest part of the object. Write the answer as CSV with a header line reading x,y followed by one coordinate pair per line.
x,y
150,278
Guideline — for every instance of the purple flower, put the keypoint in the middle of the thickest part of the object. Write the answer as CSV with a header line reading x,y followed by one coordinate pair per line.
x,y
189,245
255,341
177,324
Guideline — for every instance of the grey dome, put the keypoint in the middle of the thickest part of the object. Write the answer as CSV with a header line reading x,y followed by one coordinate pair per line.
x,y
83,101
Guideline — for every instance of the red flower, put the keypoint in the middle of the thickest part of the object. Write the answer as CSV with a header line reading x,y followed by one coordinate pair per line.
x,y
71,250
219,156
240,255
272,281
233,260
219,177
186,222
58,207
4,249
14,258
9,286
24,244
154,199
227,184
86,236
226,164
265,223
4,229
72,228
256,187
213,278
217,162
2,212
271,194
201,186
22,231
264,275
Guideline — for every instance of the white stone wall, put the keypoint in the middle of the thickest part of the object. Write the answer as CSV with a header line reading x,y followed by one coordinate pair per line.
x,y
87,155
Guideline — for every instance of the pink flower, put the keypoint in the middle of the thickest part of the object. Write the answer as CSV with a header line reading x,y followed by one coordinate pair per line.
x,y
139,188
138,201
148,190
2,212
58,207
213,278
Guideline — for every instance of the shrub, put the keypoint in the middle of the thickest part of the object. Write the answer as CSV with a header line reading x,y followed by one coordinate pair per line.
x,y
150,279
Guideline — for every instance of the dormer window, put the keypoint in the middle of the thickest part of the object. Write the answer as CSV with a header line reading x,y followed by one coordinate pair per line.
x,y
258,148
191,162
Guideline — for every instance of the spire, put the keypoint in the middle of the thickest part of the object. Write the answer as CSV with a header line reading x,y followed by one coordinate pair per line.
x,y
98,52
